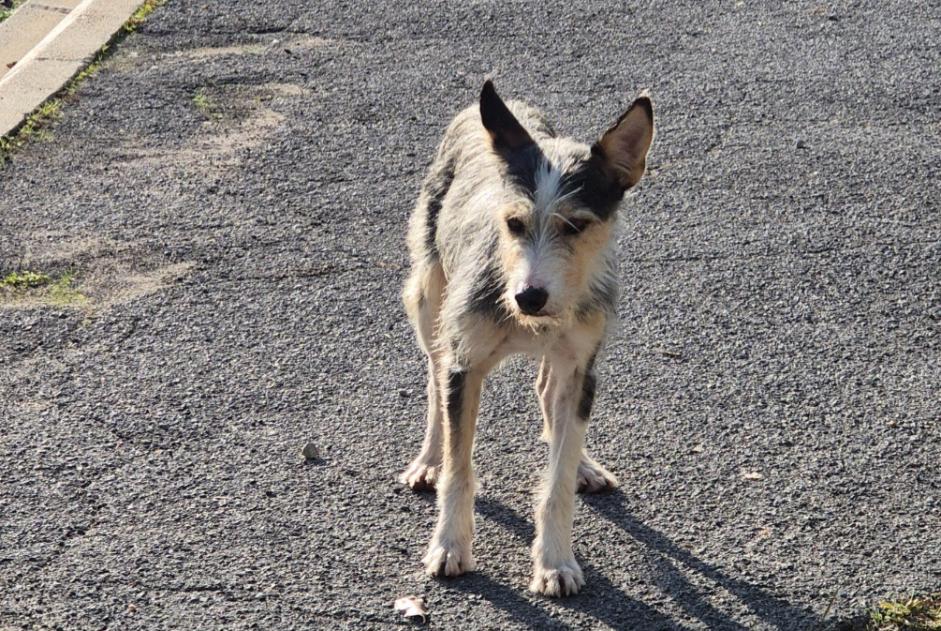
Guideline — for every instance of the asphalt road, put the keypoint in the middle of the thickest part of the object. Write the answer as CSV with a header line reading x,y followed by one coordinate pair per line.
x,y
770,402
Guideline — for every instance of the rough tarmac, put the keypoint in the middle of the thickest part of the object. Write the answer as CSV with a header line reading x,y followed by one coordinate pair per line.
x,y
770,401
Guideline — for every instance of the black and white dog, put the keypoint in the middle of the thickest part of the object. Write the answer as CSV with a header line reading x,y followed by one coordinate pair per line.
x,y
513,251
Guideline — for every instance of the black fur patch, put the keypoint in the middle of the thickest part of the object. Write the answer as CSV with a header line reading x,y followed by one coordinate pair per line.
x,y
505,131
598,191
521,167
436,188
488,287
603,297
588,396
455,398
589,384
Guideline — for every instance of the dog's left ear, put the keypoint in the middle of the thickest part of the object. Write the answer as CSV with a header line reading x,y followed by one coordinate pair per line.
x,y
624,147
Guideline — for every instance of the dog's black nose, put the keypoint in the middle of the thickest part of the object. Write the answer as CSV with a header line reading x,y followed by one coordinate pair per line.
x,y
531,300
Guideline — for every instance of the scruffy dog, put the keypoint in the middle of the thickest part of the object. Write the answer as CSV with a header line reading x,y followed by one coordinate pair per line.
x,y
513,251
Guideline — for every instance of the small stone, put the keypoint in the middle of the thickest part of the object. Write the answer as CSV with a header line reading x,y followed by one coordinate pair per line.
x,y
800,144
311,452
412,607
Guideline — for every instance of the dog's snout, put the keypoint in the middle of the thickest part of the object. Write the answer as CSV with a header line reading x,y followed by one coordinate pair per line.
x,y
532,299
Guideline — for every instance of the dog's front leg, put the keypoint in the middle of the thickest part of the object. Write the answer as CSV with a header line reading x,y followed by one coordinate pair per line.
x,y
545,398
449,552
555,570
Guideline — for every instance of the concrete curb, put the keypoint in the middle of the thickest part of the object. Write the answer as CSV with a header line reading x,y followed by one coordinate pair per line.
x,y
47,42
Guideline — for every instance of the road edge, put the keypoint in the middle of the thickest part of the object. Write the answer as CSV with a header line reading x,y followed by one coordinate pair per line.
x,y
86,60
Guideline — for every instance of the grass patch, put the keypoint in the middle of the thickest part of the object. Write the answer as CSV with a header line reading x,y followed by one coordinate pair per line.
x,y
140,16
914,614
62,293
35,125
202,102
24,280
6,12
28,287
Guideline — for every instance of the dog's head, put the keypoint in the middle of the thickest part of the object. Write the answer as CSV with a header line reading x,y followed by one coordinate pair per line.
x,y
556,216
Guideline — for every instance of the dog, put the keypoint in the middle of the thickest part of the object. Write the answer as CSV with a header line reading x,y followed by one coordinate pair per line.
x,y
512,245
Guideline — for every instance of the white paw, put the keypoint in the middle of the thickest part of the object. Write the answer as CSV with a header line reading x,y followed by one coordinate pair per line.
x,y
444,559
421,475
593,478
563,580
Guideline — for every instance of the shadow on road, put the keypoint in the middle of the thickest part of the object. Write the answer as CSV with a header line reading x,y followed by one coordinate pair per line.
x,y
771,610
603,602
607,603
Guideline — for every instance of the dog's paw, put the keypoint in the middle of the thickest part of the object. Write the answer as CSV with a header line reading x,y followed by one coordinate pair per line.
x,y
448,560
420,475
562,580
593,478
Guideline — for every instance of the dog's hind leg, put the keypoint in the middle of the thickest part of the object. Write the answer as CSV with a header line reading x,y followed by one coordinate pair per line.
x,y
422,296
591,477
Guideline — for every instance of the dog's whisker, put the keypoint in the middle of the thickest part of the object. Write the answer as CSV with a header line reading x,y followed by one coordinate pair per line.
x,y
564,219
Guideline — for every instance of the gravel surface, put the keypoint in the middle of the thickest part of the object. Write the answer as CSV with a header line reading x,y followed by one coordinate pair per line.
x,y
770,401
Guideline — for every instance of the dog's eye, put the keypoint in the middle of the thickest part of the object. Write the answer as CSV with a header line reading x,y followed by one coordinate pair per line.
x,y
574,226
515,226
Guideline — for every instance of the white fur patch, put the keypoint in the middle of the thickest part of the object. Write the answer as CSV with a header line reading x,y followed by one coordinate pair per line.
x,y
549,191
548,186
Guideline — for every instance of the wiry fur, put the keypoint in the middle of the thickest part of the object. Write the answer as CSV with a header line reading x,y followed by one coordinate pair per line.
x,y
509,207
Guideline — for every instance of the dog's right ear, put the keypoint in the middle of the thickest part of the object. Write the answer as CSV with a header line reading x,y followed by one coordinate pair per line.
x,y
625,146
505,131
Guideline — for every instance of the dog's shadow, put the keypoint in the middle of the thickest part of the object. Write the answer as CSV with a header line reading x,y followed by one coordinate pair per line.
x,y
607,604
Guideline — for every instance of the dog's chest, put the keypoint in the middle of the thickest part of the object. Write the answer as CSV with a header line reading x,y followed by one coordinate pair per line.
x,y
525,341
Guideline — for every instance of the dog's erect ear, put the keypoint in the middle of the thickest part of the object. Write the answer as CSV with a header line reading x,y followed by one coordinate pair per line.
x,y
505,131
624,146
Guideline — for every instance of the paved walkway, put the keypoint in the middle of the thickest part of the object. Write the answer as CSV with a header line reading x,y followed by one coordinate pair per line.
x,y
230,195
